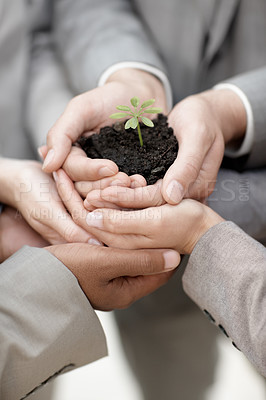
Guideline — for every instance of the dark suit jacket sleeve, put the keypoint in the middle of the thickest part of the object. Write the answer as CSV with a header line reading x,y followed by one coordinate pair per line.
x,y
47,325
226,277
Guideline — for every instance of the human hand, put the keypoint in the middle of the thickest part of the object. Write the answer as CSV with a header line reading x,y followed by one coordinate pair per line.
x,y
86,175
27,188
203,124
15,233
90,111
118,197
112,278
177,227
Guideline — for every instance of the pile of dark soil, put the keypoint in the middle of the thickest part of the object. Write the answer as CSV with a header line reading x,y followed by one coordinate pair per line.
x,y
122,146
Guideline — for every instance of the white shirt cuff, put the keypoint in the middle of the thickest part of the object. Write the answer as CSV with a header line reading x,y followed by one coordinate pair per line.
x,y
144,67
248,140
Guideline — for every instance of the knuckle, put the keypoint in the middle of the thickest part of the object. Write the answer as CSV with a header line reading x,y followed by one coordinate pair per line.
x,y
127,299
50,134
113,222
191,167
145,263
72,234
74,102
123,178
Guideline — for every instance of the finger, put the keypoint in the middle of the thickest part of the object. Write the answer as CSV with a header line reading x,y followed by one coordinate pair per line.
x,y
137,181
74,205
115,262
125,241
42,150
85,187
81,168
100,204
139,222
66,230
182,173
142,197
193,148
206,181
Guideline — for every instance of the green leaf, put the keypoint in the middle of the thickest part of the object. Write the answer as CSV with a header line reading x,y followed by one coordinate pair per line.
x,y
134,122
147,103
118,115
128,124
147,121
153,110
123,108
134,101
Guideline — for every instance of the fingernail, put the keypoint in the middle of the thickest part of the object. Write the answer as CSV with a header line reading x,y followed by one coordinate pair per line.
x,y
40,153
55,176
86,204
95,242
175,191
95,219
171,259
106,171
48,158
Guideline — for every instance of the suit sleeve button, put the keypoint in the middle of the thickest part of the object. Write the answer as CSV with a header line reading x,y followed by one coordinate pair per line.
x,y
209,316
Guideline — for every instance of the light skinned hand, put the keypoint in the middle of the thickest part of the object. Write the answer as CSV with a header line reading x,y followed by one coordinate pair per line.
x,y
203,124
27,188
91,110
177,227
125,198
15,233
72,200
112,278
87,176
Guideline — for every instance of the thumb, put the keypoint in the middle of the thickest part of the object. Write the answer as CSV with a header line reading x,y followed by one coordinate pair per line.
x,y
75,120
142,262
183,172
81,115
113,263
42,150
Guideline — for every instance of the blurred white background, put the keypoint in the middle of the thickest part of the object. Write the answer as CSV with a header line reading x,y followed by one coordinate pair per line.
x,y
111,379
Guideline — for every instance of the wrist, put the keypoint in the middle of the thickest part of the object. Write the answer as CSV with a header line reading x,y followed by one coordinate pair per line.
x,y
145,84
207,219
230,113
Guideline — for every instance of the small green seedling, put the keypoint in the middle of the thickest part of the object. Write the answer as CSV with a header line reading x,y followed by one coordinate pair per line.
x,y
137,115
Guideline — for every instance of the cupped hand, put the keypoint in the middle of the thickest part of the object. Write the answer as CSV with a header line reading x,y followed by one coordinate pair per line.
x,y
15,233
31,191
88,174
203,124
112,278
90,111
177,227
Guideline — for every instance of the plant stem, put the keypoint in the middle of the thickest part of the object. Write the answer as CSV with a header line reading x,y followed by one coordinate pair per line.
x,y
140,136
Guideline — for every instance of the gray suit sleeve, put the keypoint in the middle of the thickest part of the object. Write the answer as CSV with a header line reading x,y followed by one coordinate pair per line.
x,y
47,324
253,84
93,35
48,91
226,277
